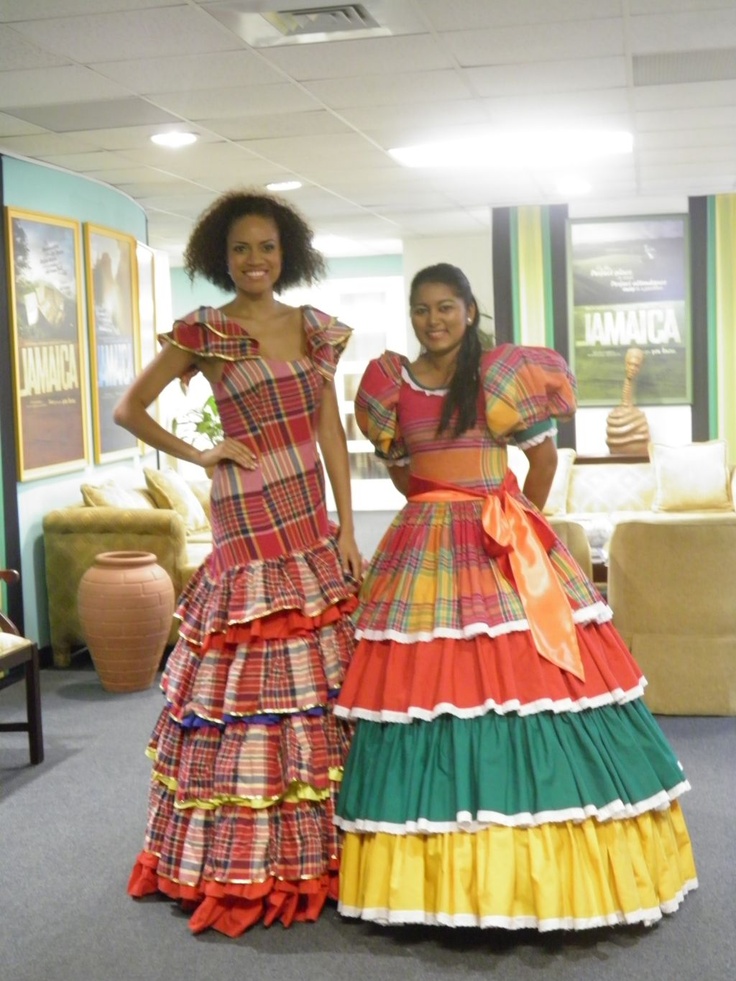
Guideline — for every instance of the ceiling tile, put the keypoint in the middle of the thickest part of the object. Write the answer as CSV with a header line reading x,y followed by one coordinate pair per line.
x,y
183,73
11,126
43,144
344,59
125,177
119,35
697,94
676,31
83,162
312,151
224,102
16,53
318,122
12,10
548,76
134,137
186,204
434,114
528,44
698,118
69,117
473,14
389,90
70,84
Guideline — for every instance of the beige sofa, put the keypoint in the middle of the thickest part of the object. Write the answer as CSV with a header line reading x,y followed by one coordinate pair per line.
x,y
669,585
111,518
663,537
599,495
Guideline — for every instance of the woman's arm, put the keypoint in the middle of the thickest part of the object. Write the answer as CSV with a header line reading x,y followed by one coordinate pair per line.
x,y
542,466
334,448
132,414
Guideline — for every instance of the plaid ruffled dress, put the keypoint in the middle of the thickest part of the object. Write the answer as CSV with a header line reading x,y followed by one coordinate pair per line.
x,y
504,770
247,752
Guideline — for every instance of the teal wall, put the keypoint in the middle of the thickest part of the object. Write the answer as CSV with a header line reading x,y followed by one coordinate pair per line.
x,y
35,187
187,295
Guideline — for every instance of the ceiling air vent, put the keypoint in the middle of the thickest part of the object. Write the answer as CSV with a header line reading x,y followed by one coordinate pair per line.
x,y
333,19
683,67
316,22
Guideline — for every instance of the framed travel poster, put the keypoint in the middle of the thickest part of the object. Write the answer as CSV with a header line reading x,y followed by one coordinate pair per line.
x,y
47,343
114,340
629,293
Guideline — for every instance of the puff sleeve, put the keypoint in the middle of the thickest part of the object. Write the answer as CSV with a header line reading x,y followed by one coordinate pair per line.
x,y
376,408
525,388
327,338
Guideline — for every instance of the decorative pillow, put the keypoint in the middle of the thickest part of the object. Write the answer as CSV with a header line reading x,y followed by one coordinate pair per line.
x,y
694,477
170,490
557,498
110,495
202,489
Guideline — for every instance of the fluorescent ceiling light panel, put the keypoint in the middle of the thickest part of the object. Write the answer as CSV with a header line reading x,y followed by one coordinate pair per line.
x,y
518,149
173,139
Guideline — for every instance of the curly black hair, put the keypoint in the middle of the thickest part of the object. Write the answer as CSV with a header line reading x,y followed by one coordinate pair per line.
x,y
206,251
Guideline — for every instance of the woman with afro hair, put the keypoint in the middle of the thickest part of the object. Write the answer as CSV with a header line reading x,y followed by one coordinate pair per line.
x,y
247,754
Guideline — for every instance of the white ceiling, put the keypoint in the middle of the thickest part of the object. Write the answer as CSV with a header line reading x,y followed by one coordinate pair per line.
x,y
84,84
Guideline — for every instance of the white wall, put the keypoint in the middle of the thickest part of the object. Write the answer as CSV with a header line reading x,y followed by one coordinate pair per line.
x,y
472,253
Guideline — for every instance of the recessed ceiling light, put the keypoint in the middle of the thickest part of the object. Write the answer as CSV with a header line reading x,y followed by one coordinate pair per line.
x,y
173,139
514,149
283,185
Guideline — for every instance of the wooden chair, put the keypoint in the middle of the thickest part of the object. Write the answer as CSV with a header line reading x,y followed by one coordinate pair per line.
x,y
15,651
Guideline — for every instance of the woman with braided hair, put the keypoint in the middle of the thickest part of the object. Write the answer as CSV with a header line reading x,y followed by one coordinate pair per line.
x,y
504,770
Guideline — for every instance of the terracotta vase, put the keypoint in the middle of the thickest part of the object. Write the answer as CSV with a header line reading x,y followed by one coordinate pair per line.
x,y
125,602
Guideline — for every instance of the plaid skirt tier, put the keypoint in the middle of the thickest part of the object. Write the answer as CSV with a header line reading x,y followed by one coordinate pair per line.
x,y
486,786
247,753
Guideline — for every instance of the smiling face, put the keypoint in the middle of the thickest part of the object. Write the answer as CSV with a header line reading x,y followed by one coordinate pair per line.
x,y
439,317
254,256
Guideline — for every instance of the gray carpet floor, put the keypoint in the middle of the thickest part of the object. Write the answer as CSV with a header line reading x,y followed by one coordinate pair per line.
x,y
70,828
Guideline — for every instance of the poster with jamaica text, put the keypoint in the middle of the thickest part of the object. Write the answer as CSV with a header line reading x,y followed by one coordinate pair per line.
x,y
629,290
46,333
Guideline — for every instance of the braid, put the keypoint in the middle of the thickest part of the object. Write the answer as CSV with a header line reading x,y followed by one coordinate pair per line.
x,y
462,395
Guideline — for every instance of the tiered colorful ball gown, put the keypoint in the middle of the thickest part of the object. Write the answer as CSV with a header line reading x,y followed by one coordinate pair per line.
x,y
247,754
504,770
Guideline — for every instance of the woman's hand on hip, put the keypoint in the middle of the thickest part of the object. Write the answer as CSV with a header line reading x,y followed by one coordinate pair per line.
x,y
229,449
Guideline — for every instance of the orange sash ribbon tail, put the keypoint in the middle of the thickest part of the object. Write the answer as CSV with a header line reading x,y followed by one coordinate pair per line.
x,y
544,600
511,529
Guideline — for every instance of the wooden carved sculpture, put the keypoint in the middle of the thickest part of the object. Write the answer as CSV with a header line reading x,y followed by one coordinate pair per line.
x,y
627,429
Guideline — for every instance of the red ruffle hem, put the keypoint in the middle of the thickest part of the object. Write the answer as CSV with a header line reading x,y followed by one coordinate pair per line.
x,y
231,908
279,625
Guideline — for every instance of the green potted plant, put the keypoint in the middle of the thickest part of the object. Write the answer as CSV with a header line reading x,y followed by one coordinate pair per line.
x,y
200,425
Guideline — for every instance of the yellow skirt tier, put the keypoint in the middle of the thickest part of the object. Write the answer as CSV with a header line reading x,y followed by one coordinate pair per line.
x,y
566,876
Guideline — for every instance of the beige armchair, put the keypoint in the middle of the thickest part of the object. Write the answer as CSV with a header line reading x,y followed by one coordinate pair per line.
x,y
672,588
74,535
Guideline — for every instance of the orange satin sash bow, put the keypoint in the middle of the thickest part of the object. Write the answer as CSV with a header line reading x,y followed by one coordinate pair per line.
x,y
509,524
